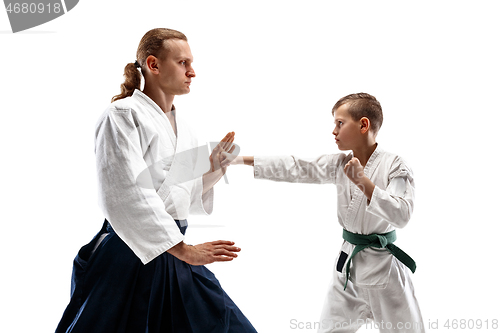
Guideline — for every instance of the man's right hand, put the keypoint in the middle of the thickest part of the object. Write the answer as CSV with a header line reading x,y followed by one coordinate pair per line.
x,y
206,253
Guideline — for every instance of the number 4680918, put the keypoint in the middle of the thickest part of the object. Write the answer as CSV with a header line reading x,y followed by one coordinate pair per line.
x,y
471,324
25,8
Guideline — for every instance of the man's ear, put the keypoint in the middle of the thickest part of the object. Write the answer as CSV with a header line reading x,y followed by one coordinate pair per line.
x,y
152,64
365,125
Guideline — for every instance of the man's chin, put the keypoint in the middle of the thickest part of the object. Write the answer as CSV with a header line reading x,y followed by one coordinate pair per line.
x,y
184,92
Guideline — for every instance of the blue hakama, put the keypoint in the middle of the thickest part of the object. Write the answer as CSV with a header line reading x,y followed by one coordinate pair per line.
x,y
113,291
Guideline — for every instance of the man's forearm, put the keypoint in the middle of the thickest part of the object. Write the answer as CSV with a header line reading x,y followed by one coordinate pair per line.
x,y
180,251
210,179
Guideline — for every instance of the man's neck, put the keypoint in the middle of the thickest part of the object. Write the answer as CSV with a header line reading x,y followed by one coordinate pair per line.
x,y
163,100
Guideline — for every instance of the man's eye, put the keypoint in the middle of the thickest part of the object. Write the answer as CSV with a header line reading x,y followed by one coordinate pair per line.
x,y
183,62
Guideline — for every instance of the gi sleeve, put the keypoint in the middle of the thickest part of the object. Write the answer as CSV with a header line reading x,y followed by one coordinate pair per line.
x,y
297,170
134,209
395,203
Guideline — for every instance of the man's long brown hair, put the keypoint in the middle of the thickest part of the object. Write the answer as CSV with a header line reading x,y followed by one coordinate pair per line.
x,y
152,43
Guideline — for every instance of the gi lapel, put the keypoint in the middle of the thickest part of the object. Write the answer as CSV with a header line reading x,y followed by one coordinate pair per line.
x,y
182,168
358,196
170,130
171,173
372,163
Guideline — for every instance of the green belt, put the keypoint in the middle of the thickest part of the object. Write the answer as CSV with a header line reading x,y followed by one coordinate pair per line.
x,y
379,241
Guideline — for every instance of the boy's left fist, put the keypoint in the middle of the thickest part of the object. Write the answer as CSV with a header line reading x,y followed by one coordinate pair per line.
x,y
354,170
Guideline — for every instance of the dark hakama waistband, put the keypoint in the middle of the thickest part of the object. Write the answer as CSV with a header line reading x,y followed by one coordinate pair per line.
x,y
182,224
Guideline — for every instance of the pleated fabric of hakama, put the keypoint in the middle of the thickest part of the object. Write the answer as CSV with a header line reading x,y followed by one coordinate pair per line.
x,y
112,291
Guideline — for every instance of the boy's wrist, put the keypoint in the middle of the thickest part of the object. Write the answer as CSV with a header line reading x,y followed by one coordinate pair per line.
x,y
366,186
363,181
244,160
248,160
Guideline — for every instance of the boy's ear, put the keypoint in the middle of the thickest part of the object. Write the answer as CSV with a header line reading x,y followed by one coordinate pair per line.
x,y
365,125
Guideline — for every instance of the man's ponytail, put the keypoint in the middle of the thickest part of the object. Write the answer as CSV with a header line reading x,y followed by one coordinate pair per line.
x,y
132,82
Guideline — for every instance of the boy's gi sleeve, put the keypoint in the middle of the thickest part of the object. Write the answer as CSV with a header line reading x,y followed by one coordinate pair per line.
x,y
292,169
395,203
134,209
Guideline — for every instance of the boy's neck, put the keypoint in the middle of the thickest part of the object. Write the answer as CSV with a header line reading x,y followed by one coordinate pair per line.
x,y
363,153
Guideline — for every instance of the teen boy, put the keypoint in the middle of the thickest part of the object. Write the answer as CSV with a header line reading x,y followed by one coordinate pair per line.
x,y
375,195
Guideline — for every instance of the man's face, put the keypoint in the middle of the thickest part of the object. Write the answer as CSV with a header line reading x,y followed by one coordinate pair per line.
x,y
176,70
347,130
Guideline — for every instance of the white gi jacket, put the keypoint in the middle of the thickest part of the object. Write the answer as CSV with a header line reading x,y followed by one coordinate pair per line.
x,y
147,177
391,205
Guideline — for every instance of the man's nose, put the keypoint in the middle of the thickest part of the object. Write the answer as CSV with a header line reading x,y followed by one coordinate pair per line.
x,y
191,73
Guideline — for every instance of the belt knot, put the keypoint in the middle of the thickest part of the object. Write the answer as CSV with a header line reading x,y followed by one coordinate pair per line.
x,y
383,241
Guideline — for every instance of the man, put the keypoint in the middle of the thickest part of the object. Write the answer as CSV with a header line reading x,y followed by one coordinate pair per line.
x,y
137,274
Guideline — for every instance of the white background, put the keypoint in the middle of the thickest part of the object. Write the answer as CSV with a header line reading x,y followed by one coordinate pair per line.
x,y
270,71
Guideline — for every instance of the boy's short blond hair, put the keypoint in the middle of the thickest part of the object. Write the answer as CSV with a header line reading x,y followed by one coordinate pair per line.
x,y
363,105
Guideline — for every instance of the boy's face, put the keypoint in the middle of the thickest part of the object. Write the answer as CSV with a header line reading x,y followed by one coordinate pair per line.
x,y
347,131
